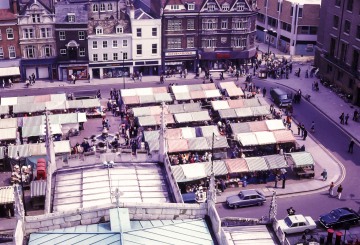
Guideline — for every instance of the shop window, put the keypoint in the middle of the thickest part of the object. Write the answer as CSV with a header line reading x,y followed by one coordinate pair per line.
x,y
62,35
12,53
1,53
105,57
139,49
154,48
95,57
82,52
81,35
10,33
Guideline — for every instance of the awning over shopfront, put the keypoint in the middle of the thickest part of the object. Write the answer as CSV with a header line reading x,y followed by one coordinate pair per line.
x,y
256,164
220,105
265,138
276,161
178,145
6,195
198,144
301,159
219,168
9,71
275,124
237,165
4,109
284,136
8,133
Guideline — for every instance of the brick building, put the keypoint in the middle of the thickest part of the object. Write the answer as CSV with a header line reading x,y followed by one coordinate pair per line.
x,y
71,33
211,34
9,43
338,45
289,25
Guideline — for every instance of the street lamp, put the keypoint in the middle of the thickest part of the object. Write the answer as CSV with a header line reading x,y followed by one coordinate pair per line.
x,y
123,68
21,182
271,31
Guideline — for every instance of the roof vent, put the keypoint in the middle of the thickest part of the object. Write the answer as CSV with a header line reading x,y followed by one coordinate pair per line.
x,y
120,220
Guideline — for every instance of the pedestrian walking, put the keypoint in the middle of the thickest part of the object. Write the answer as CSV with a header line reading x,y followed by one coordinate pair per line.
x,y
324,175
346,118
339,191
305,134
277,179
351,146
355,116
283,181
299,128
302,127
342,117
140,76
331,189
313,127
264,91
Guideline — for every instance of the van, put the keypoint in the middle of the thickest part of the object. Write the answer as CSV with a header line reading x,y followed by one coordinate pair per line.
x,y
280,97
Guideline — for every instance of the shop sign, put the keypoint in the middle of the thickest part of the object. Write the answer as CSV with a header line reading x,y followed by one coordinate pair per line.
x,y
222,56
180,53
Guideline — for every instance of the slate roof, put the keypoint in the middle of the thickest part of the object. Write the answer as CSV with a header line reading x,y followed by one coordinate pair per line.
x,y
24,4
79,9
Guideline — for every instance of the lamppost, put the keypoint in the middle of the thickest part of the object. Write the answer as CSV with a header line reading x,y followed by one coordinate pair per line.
x,y
21,181
123,68
269,32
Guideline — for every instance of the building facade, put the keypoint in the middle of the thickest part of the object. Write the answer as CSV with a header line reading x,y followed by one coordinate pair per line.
x,y
109,39
338,45
36,21
207,33
289,25
71,34
9,43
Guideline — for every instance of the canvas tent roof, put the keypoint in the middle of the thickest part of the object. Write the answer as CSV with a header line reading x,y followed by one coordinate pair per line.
x,y
275,124
220,105
219,168
237,165
244,112
247,139
4,109
276,161
301,159
8,133
179,145
265,138
227,113
198,144
284,136
256,164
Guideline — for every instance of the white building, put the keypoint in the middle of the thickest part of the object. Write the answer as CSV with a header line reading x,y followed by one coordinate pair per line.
x,y
146,42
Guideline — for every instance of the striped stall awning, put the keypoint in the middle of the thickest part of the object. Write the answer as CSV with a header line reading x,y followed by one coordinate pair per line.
x,y
208,86
235,92
194,171
198,144
151,135
220,142
8,133
131,100
168,118
173,133
302,159
260,110
276,161
227,113
174,109
178,173
183,117
26,100
37,188
179,89
9,123
236,103
258,126
154,145
251,102
191,107
147,121
265,138
247,139
159,90
197,95
244,112
226,85
256,164
284,136
6,195
214,93
179,145
237,165
188,133
194,87
144,91
208,131
219,168
14,149
199,116
55,105
58,97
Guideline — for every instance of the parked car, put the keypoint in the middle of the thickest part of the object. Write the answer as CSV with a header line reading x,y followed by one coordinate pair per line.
x,y
280,97
246,198
296,223
338,217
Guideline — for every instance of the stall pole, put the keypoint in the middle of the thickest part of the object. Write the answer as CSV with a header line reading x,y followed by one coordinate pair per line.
x,y
21,183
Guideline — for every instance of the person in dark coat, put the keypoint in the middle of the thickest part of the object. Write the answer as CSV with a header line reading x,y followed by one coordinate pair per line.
x,y
305,134
351,146
342,117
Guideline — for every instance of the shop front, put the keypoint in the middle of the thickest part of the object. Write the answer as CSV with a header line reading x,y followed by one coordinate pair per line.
x,y
10,70
148,67
222,60
80,71
41,68
112,70
177,61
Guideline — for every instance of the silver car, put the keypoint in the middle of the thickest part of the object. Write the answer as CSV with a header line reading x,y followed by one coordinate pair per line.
x,y
246,198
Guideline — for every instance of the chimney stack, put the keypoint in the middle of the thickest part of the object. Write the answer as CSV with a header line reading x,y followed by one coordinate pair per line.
x,y
14,6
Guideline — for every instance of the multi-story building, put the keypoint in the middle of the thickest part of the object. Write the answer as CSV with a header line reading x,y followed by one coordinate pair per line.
x,y
36,21
338,45
207,33
109,39
71,20
146,41
289,25
9,42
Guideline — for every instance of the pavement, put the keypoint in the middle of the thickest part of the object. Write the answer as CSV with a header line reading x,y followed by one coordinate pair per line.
x,y
325,100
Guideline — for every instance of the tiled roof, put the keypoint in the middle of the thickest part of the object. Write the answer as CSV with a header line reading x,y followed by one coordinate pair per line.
x,y
6,14
80,11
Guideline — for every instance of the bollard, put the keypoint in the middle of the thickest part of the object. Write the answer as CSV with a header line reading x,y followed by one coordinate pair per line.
x,y
329,236
338,238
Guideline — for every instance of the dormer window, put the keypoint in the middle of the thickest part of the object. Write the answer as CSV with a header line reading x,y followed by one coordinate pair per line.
x,y
71,17
102,7
110,7
211,7
99,30
225,7
191,6
119,29
95,8
174,7
240,7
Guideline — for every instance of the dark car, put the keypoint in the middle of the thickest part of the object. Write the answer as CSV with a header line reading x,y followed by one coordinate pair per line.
x,y
246,198
338,217
280,97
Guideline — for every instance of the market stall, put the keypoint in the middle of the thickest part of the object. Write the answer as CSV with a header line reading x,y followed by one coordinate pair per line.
x,y
302,163
231,89
4,110
8,134
7,201
181,108
27,150
275,162
37,193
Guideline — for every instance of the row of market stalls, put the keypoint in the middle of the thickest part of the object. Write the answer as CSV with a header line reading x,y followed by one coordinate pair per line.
x,y
35,126
239,167
137,96
6,101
